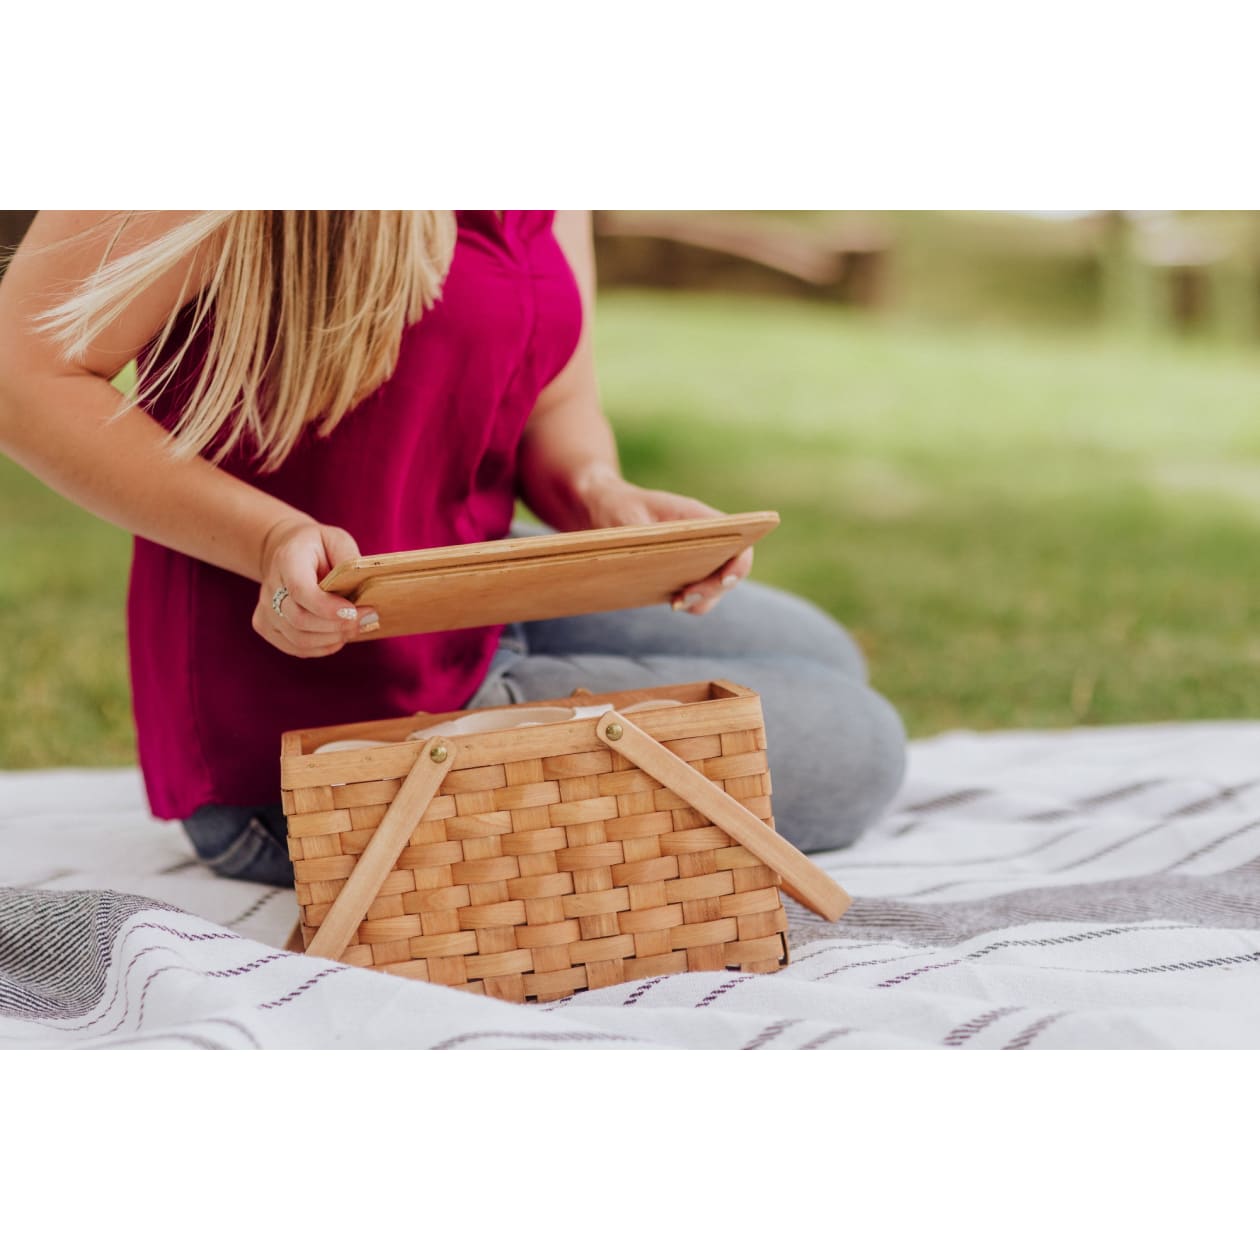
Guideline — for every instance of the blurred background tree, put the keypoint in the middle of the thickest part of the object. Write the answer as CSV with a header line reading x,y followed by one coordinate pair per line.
x,y
1187,271
1018,454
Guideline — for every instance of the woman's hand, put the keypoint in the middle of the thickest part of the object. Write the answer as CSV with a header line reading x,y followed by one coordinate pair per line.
x,y
610,500
296,554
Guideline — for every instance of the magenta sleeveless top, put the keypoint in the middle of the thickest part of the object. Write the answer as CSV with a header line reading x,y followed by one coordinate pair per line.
x,y
428,460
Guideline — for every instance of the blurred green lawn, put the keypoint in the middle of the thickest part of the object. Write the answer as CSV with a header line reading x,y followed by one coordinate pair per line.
x,y
1023,529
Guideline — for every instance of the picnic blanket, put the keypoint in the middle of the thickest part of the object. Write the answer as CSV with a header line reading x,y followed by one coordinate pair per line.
x,y
1094,888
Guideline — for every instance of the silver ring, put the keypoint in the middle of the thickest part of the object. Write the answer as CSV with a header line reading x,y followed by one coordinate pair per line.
x,y
282,593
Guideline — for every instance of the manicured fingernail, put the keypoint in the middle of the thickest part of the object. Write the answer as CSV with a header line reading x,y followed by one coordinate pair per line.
x,y
686,601
729,580
368,622
347,614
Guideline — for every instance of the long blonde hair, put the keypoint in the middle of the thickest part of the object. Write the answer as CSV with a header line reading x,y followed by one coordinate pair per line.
x,y
308,308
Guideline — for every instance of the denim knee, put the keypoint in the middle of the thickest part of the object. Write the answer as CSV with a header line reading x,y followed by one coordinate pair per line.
x,y
837,752
242,843
873,770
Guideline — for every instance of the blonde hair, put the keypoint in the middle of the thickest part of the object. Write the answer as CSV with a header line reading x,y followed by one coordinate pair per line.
x,y
308,308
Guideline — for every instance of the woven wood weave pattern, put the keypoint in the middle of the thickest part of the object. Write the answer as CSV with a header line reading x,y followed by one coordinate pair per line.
x,y
532,879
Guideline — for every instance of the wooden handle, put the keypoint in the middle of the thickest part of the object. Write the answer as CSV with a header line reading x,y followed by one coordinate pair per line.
x,y
377,860
801,878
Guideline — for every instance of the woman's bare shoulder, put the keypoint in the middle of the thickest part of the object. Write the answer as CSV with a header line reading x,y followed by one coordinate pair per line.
x,y
64,249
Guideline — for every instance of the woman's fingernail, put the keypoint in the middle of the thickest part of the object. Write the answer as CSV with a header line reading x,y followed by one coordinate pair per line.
x,y
347,614
368,622
729,580
687,601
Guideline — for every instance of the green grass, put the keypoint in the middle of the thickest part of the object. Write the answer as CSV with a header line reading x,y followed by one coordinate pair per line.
x,y
1022,529
64,694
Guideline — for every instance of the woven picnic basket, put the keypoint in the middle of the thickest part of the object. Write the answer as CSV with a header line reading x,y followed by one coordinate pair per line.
x,y
532,863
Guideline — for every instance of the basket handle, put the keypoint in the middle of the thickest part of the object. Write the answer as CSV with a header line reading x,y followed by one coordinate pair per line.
x,y
436,758
803,880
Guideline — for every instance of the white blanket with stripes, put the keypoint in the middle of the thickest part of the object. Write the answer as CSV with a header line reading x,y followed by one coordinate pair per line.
x,y
1094,888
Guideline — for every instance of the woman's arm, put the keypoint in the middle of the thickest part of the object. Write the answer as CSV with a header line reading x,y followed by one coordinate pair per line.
x,y
569,473
57,421
568,445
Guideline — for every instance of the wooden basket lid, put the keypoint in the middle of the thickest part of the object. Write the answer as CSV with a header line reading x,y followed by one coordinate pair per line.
x,y
543,576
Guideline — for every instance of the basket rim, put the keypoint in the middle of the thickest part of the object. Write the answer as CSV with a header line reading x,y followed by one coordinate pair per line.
x,y
292,741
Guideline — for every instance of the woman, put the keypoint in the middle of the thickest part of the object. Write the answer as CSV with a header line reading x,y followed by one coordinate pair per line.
x,y
314,385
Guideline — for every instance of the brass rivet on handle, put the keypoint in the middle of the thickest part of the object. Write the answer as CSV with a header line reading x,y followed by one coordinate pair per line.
x,y
438,753
613,730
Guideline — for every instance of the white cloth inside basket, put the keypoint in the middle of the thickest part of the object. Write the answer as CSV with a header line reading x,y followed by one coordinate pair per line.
x,y
481,722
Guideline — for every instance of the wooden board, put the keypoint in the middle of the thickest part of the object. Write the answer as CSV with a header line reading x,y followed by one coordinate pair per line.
x,y
551,575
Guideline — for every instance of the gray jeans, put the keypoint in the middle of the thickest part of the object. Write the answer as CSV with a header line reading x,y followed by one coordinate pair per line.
x,y
836,748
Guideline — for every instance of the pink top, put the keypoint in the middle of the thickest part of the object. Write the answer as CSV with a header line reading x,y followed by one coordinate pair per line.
x,y
428,460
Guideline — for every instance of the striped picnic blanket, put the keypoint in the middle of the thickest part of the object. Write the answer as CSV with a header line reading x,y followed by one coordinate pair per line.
x,y
1093,888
